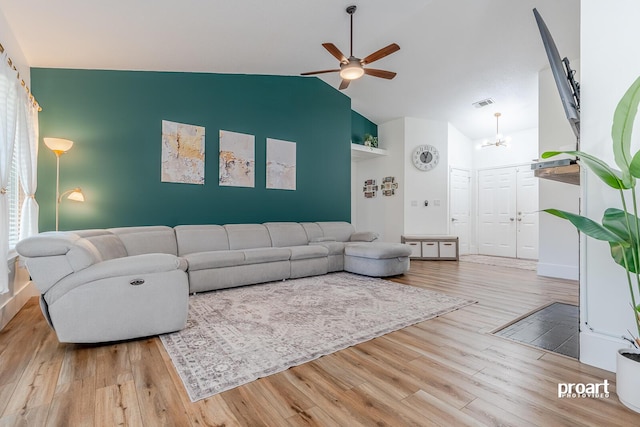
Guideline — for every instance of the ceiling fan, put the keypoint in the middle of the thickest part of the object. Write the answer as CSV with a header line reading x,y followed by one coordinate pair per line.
x,y
352,68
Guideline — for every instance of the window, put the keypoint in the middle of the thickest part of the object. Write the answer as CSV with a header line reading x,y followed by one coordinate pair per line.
x,y
16,197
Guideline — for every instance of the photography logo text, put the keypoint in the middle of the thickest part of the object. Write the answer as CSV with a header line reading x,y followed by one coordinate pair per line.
x,y
581,390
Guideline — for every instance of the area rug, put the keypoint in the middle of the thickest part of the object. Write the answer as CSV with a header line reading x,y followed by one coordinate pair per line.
x,y
237,335
523,264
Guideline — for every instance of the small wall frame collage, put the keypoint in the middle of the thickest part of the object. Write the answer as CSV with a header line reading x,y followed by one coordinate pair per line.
x,y
388,187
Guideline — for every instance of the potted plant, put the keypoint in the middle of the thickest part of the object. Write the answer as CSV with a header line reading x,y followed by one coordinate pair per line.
x,y
620,228
370,140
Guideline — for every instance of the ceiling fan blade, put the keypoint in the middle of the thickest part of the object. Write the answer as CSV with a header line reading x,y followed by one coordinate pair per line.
x,y
333,50
381,53
344,84
318,72
380,73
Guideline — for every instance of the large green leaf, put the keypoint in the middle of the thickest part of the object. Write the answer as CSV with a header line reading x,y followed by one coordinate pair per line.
x,y
634,167
589,226
618,222
609,176
624,225
622,127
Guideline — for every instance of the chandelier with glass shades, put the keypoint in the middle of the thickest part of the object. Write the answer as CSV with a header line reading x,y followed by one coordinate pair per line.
x,y
500,140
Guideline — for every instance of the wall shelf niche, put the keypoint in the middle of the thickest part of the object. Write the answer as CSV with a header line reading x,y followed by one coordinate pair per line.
x,y
362,152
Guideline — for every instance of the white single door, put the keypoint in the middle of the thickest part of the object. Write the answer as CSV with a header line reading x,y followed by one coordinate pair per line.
x,y
497,212
527,214
460,208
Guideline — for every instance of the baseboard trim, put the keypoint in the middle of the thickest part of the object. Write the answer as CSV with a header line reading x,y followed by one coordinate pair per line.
x,y
558,271
13,305
600,350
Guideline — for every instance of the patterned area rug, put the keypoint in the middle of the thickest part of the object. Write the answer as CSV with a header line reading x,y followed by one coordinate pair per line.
x,y
523,264
237,335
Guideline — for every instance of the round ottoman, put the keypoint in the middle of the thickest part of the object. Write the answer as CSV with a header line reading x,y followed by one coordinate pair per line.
x,y
377,259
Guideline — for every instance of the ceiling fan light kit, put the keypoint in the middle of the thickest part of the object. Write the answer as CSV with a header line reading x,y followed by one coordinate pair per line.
x,y
352,68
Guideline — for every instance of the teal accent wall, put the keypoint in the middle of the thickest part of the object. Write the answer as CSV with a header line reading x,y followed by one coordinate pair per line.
x,y
360,126
114,118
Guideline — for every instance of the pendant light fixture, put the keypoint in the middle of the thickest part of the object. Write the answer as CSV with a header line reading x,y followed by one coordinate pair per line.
x,y
500,140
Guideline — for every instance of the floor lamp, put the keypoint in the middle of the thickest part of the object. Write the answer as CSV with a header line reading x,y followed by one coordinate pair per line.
x,y
60,146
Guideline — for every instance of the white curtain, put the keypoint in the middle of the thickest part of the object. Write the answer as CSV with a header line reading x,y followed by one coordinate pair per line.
x,y
9,87
27,146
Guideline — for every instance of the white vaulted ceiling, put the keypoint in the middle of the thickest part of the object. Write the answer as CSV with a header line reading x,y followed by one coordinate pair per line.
x,y
453,52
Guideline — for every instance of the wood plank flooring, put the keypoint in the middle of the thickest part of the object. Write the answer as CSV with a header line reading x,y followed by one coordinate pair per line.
x,y
447,371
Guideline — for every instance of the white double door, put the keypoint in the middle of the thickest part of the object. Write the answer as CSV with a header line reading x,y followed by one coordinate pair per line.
x,y
508,212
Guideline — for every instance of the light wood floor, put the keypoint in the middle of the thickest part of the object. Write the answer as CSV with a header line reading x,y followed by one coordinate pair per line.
x,y
446,371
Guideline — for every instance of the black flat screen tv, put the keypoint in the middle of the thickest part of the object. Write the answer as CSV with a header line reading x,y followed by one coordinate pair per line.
x,y
563,75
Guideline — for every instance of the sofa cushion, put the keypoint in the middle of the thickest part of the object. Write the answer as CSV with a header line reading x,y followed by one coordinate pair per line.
x,y
334,248
108,244
306,252
214,259
312,230
260,255
375,250
147,240
200,238
286,234
50,256
247,236
340,230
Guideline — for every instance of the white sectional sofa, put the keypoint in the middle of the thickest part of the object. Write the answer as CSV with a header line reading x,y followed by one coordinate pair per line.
x,y
122,283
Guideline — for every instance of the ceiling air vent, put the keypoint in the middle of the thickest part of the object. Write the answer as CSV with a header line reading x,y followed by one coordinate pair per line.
x,y
483,103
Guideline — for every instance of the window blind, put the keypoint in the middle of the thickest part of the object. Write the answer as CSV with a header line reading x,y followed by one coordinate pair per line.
x,y
16,197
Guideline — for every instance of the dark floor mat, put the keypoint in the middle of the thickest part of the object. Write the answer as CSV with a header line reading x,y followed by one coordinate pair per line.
x,y
553,328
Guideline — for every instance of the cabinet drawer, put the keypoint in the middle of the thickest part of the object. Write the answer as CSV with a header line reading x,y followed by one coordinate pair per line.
x,y
448,249
429,249
415,249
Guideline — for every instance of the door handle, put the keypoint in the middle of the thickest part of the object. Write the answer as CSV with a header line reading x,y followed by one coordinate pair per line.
x,y
511,219
453,220
519,219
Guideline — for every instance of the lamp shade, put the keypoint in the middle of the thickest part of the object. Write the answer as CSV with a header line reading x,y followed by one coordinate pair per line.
x,y
76,195
58,145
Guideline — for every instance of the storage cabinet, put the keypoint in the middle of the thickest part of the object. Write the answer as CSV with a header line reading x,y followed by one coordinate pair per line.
x,y
430,250
415,249
448,249
432,247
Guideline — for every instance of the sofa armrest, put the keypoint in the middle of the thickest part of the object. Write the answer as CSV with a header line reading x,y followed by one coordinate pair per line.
x,y
364,236
126,268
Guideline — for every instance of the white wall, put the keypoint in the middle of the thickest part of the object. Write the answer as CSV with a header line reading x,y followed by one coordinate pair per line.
x,y
461,152
406,213
20,289
558,240
610,63
382,214
392,216
12,47
432,185
523,148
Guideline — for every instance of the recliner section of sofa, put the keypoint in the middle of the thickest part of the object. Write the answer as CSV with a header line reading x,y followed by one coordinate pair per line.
x,y
129,282
94,290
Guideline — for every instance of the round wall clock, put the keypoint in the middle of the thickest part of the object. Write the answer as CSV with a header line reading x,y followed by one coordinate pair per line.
x,y
425,157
